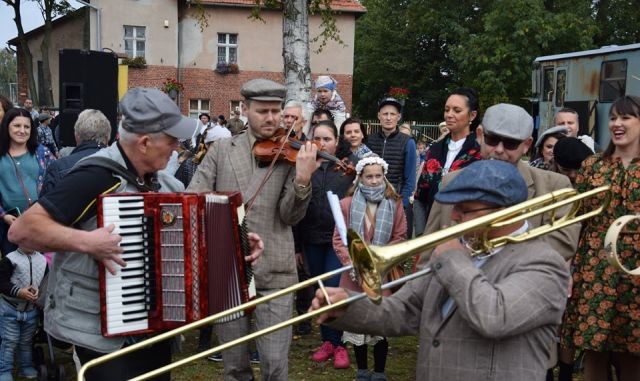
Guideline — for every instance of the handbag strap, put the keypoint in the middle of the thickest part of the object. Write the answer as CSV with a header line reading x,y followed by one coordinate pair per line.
x,y
24,189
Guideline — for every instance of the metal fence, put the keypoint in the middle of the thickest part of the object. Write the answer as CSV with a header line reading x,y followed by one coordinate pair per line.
x,y
427,131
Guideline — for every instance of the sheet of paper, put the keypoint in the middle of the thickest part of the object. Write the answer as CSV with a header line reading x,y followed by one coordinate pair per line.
x,y
334,203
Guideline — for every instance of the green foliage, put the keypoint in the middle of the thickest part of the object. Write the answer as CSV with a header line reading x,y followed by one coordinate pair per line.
x,y
8,70
135,62
434,46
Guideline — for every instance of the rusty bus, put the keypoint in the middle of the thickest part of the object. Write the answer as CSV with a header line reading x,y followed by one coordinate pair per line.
x,y
587,81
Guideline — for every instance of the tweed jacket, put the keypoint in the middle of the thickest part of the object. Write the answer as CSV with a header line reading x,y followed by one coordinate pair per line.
x,y
539,182
229,166
501,326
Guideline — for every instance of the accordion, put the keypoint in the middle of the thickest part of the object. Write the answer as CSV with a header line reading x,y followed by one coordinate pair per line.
x,y
185,260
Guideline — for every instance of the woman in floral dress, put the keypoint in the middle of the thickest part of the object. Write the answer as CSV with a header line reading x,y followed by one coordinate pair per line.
x,y
603,313
457,150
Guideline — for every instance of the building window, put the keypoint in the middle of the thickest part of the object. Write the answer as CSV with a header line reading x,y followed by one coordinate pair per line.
x,y
134,41
197,107
613,80
227,48
235,105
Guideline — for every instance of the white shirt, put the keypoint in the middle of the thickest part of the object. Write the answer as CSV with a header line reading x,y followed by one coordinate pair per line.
x,y
453,150
215,133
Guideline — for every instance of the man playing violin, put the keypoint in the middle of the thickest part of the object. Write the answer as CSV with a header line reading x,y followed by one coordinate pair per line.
x,y
490,317
277,198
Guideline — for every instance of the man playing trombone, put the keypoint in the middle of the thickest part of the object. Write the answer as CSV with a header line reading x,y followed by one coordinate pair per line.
x,y
492,316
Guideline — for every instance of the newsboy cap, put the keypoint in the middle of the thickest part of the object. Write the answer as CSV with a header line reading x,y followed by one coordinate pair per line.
x,y
390,101
261,89
147,110
44,116
507,120
491,181
570,153
550,131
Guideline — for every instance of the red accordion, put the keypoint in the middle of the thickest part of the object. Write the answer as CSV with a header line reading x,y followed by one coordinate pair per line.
x,y
185,260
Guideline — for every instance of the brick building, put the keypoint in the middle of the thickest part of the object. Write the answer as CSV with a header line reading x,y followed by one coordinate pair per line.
x,y
167,34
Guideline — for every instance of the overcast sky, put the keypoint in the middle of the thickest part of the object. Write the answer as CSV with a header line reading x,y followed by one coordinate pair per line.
x,y
31,19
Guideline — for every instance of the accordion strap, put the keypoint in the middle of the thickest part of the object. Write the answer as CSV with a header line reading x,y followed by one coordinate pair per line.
x,y
118,169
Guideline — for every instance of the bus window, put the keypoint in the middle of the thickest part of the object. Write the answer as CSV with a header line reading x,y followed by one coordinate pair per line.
x,y
547,88
561,87
613,80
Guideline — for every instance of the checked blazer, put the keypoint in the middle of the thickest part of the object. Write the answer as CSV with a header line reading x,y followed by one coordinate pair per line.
x,y
502,324
229,166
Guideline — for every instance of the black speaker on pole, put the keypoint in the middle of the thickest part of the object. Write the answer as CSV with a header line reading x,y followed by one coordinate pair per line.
x,y
88,79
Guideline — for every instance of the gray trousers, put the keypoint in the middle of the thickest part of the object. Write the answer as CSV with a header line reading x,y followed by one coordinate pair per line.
x,y
273,348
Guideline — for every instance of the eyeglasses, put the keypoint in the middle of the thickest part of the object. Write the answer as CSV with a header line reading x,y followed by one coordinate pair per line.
x,y
507,143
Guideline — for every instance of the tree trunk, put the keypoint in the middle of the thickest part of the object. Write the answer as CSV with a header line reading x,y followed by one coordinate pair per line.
x,y
46,86
24,47
295,50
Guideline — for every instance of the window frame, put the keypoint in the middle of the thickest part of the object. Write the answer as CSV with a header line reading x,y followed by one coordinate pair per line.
x,y
606,83
195,113
135,39
227,45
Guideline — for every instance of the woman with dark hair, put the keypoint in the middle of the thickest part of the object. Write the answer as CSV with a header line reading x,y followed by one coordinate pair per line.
x,y
352,137
23,163
543,157
457,150
603,313
315,234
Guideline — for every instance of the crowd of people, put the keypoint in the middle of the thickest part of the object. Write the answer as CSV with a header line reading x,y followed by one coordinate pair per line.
x,y
514,312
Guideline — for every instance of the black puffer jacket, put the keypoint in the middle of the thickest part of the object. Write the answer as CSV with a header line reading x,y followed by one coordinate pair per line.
x,y
317,225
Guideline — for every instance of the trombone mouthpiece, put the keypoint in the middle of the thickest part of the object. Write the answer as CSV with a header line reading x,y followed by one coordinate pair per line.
x,y
364,264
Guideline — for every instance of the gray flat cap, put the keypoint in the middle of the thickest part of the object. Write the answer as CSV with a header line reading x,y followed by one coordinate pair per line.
x,y
261,89
492,181
44,116
551,131
509,121
147,110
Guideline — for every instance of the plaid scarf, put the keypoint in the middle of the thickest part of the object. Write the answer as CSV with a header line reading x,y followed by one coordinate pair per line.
x,y
384,213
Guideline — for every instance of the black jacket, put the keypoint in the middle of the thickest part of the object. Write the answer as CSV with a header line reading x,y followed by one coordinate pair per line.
x,y
317,225
59,168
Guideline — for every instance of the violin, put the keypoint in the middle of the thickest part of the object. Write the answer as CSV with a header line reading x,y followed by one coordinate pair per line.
x,y
281,147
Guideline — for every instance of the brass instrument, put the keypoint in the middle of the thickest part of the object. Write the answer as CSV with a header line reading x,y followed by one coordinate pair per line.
x,y
373,262
611,240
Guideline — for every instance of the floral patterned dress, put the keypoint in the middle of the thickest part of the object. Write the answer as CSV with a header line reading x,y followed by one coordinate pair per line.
x,y
603,312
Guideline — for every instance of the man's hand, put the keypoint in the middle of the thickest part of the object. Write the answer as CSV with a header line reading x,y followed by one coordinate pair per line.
x,y
306,163
256,247
452,244
335,295
104,247
29,293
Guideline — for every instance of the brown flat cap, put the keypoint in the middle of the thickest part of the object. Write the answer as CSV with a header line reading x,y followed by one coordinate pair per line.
x,y
261,89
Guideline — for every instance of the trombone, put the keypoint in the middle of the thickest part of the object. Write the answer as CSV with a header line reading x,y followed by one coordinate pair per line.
x,y
373,262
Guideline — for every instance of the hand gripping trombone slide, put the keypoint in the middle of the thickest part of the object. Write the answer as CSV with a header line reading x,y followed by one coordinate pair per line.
x,y
372,263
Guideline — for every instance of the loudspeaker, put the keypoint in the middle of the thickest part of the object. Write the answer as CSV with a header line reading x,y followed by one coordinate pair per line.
x,y
88,79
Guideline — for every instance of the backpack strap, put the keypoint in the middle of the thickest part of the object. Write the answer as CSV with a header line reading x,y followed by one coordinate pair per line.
x,y
117,168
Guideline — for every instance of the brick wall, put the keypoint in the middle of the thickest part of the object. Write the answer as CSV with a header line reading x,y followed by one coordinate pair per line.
x,y
220,89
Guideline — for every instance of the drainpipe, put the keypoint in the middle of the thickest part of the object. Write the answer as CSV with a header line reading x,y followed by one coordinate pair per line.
x,y
98,35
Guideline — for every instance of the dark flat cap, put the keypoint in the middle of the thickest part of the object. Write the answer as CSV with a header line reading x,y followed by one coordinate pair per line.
x,y
570,153
491,181
147,110
390,101
261,89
